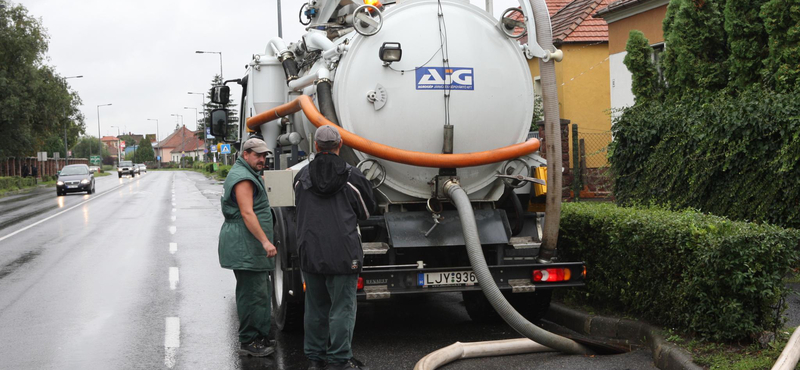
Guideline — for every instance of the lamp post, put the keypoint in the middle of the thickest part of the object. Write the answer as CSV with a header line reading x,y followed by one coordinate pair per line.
x,y
157,142
183,137
66,147
220,60
99,137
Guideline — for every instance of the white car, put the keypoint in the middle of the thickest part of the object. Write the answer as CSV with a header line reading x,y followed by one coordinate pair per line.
x,y
142,168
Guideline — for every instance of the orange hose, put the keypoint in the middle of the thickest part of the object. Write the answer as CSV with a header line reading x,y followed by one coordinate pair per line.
x,y
412,158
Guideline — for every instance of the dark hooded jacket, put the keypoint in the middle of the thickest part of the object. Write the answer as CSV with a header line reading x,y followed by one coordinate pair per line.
x,y
331,196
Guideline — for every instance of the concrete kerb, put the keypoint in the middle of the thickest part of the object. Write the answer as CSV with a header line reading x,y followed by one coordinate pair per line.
x,y
666,356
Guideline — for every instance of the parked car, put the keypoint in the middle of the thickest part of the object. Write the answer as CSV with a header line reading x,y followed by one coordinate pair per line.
x,y
142,168
94,169
75,177
126,168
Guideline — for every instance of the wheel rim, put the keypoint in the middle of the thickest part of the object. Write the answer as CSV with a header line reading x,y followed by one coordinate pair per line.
x,y
278,291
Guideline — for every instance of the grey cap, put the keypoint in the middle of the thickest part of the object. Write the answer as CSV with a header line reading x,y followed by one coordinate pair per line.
x,y
256,145
327,133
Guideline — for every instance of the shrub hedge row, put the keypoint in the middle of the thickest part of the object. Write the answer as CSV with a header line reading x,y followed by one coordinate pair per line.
x,y
16,182
701,274
734,156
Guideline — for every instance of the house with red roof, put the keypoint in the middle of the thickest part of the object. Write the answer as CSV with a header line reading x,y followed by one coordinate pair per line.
x,y
623,16
582,76
181,143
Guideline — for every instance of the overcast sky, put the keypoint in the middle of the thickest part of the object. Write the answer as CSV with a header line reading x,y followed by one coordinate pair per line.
x,y
139,55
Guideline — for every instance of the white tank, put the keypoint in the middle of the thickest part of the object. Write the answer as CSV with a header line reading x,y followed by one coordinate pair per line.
x,y
491,95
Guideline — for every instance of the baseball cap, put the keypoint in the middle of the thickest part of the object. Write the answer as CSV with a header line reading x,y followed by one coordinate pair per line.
x,y
327,133
256,145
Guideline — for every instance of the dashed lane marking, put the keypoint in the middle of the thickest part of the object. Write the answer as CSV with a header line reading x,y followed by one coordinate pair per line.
x,y
172,229
174,277
173,247
172,340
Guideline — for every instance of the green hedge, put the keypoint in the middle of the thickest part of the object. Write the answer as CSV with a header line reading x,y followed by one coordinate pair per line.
x,y
701,274
737,157
16,182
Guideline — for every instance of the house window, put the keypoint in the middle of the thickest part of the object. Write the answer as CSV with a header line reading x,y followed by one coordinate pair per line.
x,y
537,86
658,54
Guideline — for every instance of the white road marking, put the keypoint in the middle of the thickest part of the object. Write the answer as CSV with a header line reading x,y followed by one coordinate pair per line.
x,y
173,247
172,340
62,212
173,210
172,229
174,204
173,218
174,277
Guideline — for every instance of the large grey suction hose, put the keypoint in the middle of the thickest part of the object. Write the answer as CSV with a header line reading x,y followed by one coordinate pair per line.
x,y
552,124
490,289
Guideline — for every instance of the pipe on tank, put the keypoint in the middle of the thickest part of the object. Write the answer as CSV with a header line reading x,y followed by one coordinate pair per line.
x,y
552,121
285,56
325,99
408,157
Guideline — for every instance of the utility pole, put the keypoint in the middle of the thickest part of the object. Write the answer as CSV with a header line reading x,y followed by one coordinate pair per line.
x,y
183,138
99,136
206,143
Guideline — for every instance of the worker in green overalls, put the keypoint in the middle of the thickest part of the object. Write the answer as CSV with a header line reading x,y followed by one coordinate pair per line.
x,y
245,247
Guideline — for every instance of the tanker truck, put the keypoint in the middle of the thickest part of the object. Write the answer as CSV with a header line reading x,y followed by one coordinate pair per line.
x,y
434,101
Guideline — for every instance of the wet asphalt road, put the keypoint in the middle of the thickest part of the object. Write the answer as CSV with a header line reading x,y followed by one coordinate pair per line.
x,y
128,278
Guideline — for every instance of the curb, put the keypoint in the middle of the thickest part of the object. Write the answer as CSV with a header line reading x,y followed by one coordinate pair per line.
x,y
666,356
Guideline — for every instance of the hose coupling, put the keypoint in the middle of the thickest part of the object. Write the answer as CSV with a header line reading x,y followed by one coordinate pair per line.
x,y
285,55
323,79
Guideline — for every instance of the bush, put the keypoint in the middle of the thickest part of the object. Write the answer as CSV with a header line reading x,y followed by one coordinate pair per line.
x,y
223,171
736,156
717,278
16,182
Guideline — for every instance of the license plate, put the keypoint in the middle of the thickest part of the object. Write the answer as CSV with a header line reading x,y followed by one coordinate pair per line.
x,y
72,187
446,278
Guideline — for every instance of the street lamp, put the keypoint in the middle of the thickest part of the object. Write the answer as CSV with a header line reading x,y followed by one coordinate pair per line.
x,y
66,147
220,60
157,142
99,137
195,115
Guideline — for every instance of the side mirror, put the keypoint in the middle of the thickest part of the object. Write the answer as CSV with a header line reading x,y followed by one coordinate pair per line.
x,y
221,95
219,123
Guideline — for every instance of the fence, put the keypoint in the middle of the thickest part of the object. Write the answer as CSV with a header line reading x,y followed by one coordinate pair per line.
x,y
13,166
589,154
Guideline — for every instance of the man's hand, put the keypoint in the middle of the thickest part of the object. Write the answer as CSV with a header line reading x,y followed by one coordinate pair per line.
x,y
271,250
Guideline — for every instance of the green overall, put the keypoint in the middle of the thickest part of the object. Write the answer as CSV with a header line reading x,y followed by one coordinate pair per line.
x,y
240,251
330,316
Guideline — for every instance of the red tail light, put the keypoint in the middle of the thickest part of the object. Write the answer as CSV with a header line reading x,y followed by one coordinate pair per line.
x,y
360,283
551,275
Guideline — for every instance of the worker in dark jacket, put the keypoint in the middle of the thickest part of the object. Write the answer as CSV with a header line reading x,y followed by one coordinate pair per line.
x,y
331,196
245,246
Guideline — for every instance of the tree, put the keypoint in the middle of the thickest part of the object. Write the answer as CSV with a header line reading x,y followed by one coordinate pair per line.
x,y
697,53
639,61
36,101
88,145
782,24
144,152
747,40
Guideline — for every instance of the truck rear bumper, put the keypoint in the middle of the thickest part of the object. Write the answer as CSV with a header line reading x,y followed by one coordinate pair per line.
x,y
384,283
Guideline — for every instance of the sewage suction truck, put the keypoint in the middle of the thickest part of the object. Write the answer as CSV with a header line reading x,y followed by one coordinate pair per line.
x,y
434,101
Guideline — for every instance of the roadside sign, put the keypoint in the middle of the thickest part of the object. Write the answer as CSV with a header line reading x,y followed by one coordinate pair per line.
x,y
208,133
158,157
42,156
225,149
95,159
213,149
205,150
56,155
122,145
69,153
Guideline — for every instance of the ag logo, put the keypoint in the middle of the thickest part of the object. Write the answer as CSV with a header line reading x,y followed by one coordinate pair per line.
x,y
441,78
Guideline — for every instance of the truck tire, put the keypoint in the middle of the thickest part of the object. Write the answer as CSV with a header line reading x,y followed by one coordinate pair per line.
x,y
288,309
532,306
478,308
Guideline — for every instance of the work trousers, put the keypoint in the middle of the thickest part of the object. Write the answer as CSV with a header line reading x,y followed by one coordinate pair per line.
x,y
253,294
330,316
